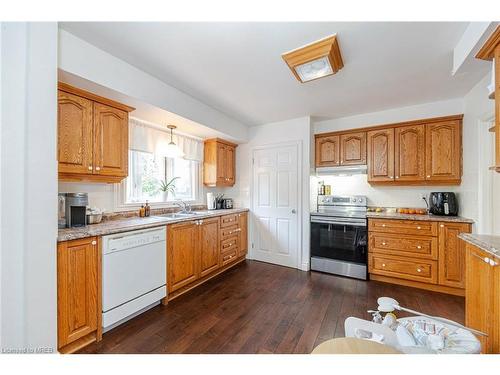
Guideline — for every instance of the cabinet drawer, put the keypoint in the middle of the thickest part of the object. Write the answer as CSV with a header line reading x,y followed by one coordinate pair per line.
x,y
228,220
229,245
229,257
229,231
422,270
404,245
421,228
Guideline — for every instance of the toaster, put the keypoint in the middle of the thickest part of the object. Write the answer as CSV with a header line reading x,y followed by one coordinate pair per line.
x,y
443,204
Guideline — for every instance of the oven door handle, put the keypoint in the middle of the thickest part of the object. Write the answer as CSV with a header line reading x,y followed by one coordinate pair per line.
x,y
327,221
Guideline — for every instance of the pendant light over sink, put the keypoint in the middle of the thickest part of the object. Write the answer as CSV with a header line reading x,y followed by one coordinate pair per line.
x,y
172,150
316,60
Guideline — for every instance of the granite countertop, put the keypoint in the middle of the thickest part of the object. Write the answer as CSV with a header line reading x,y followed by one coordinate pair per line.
x,y
134,223
488,243
398,216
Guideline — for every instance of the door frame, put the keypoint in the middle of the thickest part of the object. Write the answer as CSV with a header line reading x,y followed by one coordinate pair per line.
x,y
485,180
300,214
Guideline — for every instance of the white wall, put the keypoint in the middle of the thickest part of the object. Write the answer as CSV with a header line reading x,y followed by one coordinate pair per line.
x,y
29,185
285,131
84,60
467,192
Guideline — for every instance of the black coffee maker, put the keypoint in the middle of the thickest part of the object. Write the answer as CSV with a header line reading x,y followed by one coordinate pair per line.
x,y
443,204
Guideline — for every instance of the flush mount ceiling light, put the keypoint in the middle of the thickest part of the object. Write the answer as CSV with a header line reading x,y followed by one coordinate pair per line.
x,y
172,150
316,60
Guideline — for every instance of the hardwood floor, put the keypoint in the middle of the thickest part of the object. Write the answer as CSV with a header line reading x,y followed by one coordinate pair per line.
x,y
262,308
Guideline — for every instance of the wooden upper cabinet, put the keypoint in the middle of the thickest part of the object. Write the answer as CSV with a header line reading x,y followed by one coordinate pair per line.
x,y
353,148
111,141
182,255
380,145
209,245
75,143
92,136
327,151
452,254
230,159
443,151
77,290
409,157
219,163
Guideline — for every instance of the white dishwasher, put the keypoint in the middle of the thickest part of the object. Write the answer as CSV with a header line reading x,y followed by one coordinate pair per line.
x,y
134,274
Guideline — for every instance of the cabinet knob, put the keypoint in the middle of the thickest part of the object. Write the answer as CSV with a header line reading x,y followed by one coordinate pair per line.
x,y
383,243
419,227
428,176
94,243
419,270
97,168
419,247
392,177
442,225
383,264
90,168
383,225
397,176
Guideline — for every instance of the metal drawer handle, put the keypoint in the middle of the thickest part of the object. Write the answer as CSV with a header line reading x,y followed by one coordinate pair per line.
x,y
419,247
487,260
419,270
97,168
419,227
94,243
383,243
90,167
383,225
383,264
442,225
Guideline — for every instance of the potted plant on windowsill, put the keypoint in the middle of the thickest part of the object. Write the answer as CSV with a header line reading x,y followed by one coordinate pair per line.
x,y
166,187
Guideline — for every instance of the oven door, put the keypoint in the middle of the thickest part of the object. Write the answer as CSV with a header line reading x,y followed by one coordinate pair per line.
x,y
334,239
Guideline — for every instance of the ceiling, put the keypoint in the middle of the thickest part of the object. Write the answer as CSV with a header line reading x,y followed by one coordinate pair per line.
x,y
237,67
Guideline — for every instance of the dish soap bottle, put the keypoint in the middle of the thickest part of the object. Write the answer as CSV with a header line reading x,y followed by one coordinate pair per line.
x,y
147,209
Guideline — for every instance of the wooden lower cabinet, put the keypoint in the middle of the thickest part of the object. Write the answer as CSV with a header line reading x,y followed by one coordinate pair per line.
x,y
452,254
482,297
418,253
209,246
78,293
183,255
243,223
200,249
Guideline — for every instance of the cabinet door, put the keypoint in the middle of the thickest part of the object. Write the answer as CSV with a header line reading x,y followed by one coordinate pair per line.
x,y
452,254
182,254
209,245
353,148
479,296
381,155
243,226
409,157
443,151
230,162
221,164
111,141
77,289
327,151
74,134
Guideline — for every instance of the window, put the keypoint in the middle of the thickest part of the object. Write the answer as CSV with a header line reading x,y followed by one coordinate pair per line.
x,y
146,171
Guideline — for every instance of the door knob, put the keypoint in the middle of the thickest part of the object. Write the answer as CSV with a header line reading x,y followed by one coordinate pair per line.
x,y
294,211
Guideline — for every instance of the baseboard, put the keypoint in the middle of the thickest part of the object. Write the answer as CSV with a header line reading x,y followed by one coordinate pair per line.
x,y
305,266
416,284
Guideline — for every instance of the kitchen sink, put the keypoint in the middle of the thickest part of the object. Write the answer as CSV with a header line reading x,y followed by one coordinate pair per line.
x,y
181,215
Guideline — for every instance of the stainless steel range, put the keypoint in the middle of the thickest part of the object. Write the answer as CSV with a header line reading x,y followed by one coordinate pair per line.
x,y
339,236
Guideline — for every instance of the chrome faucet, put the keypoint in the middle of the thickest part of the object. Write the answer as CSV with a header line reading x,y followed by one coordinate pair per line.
x,y
185,206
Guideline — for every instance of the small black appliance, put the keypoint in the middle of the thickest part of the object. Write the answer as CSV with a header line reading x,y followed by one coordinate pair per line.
x,y
443,204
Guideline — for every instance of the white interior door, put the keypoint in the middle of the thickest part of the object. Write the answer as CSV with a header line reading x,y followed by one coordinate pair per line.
x,y
276,205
